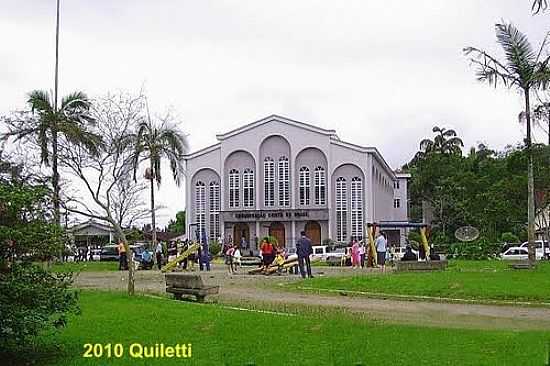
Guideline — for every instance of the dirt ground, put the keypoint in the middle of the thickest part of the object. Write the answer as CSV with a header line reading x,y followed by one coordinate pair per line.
x,y
244,289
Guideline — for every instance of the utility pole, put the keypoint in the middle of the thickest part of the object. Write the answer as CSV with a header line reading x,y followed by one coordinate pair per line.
x,y
55,178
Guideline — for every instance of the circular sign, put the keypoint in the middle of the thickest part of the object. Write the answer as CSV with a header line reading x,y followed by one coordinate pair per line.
x,y
467,233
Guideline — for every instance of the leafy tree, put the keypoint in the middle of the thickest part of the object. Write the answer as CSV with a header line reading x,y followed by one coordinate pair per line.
x,y
31,299
154,141
44,124
177,226
524,69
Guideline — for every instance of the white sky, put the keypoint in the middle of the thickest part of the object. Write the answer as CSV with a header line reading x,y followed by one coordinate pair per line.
x,y
380,72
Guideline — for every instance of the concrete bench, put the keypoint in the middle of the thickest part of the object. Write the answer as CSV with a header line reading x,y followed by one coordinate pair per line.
x,y
407,266
181,284
522,265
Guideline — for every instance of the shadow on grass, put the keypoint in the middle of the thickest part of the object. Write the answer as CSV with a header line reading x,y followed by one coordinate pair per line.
x,y
37,353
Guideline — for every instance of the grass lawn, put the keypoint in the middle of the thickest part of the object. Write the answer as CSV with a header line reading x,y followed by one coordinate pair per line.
x,y
222,336
94,266
481,280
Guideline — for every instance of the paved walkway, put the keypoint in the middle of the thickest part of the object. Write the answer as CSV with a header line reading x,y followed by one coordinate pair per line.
x,y
243,289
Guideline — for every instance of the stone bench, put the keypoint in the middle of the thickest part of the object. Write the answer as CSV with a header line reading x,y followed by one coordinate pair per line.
x,y
181,284
407,266
522,265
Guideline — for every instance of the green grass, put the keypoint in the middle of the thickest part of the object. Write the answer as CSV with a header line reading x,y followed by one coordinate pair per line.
x,y
221,336
85,266
480,280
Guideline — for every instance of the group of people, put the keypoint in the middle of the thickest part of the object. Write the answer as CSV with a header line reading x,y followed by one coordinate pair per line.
x,y
272,254
80,254
358,252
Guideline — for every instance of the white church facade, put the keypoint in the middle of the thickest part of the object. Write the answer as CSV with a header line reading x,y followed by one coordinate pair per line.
x,y
278,177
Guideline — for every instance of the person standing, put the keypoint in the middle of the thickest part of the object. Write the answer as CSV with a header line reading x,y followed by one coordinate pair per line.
x,y
355,257
267,251
362,254
122,258
158,254
304,250
205,257
381,247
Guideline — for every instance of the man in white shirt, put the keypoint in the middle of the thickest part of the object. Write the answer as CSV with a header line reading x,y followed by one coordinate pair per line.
x,y
381,247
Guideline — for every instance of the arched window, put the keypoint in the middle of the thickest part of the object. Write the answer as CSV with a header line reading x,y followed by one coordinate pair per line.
x,y
320,186
284,194
357,208
341,210
304,185
214,209
248,188
269,182
200,208
234,186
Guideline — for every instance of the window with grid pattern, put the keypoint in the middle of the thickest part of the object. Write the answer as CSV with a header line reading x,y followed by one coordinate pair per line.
x,y
269,182
304,183
248,188
234,185
341,210
284,182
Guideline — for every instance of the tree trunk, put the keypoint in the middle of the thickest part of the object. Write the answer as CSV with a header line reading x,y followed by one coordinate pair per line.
x,y
153,219
129,255
530,185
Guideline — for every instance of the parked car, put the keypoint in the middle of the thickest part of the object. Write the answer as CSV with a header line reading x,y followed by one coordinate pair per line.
x,y
319,252
517,253
109,253
542,248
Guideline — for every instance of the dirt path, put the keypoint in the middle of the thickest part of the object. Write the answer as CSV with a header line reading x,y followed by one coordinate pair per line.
x,y
241,289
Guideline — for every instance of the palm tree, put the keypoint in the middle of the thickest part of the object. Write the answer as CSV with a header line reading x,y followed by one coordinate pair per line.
x,y
445,142
522,68
153,142
539,5
46,123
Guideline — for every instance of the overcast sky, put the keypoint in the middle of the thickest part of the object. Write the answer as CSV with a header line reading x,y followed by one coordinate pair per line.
x,y
380,72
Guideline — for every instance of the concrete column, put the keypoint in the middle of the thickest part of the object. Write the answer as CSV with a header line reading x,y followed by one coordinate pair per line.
x,y
293,225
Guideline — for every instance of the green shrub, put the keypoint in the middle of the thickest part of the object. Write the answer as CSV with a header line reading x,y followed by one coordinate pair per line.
x,y
476,250
32,300
509,238
271,239
215,248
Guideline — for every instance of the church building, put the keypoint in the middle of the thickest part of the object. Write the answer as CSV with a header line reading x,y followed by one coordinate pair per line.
x,y
278,177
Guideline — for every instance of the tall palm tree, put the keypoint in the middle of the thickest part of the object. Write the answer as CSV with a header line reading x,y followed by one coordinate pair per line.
x,y
539,5
152,142
445,142
526,70
46,123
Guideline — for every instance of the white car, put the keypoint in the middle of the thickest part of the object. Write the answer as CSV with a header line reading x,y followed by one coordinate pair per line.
x,y
319,252
542,248
517,253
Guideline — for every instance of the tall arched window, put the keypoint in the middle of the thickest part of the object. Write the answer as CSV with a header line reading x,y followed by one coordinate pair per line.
x,y
341,210
248,188
234,186
284,194
214,209
320,186
357,208
200,208
304,185
269,182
